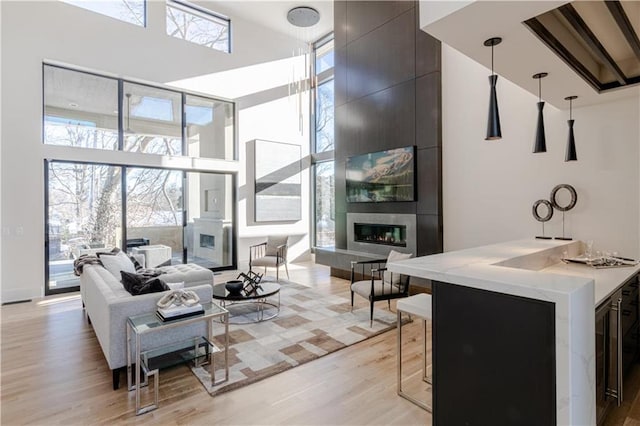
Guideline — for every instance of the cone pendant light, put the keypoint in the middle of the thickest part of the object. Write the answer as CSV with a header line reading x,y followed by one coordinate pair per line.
x,y
541,142
493,124
571,155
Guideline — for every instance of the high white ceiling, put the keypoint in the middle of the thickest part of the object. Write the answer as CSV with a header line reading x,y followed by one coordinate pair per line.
x,y
273,15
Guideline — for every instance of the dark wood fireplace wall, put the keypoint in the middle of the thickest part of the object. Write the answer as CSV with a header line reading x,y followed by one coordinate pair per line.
x,y
388,95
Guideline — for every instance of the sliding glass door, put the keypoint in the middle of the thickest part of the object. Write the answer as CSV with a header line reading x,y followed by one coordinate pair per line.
x,y
154,214
209,230
84,211
171,216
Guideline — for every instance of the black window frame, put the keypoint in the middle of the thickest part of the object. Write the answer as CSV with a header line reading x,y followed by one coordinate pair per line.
x,y
121,82
317,157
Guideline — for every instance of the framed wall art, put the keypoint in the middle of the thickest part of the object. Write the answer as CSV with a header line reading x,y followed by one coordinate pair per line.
x,y
277,182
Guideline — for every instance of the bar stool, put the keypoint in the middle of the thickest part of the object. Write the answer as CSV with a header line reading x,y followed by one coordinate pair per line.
x,y
418,305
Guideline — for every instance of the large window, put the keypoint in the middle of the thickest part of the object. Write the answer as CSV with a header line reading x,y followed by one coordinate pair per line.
x,y
324,204
323,143
324,56
209,128
324,116
83,216
154,211
131,11
83,110
152,120
198,25
186,216
80,109
209,232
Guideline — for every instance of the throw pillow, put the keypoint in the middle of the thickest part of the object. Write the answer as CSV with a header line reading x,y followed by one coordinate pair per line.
x,y
390,278
137,260
116,263
175,286
273,243
140,284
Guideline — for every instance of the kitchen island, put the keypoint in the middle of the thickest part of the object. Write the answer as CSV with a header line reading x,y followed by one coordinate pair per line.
x,y
514,332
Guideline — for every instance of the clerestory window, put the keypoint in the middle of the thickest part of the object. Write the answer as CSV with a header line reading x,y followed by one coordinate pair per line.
x,y
198,25
131,11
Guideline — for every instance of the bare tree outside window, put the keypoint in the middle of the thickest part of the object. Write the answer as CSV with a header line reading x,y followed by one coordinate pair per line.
x,y
131,11
84,207
324,117
197,27
324,182
69,132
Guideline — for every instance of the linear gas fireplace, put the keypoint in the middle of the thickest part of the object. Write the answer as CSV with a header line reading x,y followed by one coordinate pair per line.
x,y
389,235
377,233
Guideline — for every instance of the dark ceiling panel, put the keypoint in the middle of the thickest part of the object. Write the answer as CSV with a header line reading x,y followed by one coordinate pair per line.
x,y
623,22
554,44
594,44
606,73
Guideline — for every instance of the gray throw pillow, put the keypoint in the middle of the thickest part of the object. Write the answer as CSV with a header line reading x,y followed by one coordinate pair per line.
x,y
116,263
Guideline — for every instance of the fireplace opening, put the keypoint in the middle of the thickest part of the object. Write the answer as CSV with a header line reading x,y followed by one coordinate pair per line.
x,y
207,241
390,235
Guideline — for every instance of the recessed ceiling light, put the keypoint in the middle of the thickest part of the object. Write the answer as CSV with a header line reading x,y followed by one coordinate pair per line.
x,y
73,105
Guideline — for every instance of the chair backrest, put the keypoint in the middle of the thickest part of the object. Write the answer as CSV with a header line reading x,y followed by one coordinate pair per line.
x,y
273,242
396,279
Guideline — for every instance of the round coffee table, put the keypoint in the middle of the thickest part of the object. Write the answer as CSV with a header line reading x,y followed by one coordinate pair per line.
x,y
255,300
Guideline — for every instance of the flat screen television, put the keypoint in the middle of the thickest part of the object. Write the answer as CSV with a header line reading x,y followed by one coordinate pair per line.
x,y
382,176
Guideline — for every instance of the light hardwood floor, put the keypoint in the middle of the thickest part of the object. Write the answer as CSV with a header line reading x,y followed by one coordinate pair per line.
x,y
53,372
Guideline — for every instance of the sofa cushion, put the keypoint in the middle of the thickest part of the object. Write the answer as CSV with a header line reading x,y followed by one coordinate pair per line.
x,y
114,263
191,274
140,284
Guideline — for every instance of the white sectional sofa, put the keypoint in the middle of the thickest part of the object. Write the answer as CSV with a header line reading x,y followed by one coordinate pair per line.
x,y
108,305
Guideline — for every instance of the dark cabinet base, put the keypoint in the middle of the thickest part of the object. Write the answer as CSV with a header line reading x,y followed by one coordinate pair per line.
x,y
494,358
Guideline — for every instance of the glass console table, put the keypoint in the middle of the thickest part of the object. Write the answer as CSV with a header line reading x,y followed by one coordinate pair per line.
x,y
198,349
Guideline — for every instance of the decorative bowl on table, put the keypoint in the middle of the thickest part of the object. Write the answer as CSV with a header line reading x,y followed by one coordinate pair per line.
x,y
234,287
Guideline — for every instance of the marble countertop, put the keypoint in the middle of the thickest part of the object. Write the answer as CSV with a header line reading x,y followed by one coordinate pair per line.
x,y
528,268
606,281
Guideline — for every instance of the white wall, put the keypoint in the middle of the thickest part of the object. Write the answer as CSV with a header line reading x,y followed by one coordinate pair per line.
x,y
33,32
489,187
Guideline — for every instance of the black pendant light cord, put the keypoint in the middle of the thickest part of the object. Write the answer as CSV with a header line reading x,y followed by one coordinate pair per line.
x,y
492,73
539,90
570,109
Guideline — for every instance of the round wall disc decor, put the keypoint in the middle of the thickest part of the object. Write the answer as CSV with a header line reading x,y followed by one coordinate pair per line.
x,y
546,217
572,192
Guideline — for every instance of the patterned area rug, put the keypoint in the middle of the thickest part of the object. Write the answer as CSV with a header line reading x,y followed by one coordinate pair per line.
x,y
310,325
